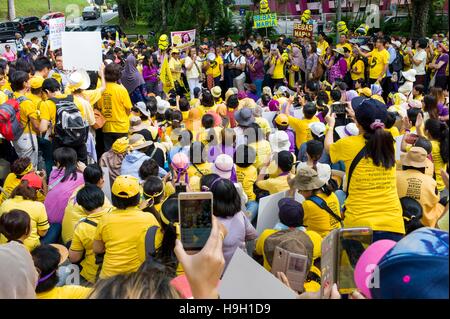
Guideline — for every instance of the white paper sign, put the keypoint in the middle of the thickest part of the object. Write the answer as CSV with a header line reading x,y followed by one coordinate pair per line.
x,y
269,117
56,28
398,147
246,279
82,50
107,183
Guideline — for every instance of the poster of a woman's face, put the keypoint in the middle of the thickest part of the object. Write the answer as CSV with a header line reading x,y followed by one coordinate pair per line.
x,y
186,38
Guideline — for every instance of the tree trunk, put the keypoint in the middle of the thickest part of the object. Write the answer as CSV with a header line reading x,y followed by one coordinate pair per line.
x,y
164,15
420,17
11,10
120,11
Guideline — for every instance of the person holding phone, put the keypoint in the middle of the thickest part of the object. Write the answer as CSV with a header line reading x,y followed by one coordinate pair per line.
x,y
276,69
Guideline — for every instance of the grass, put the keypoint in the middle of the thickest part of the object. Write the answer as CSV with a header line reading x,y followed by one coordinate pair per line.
x,y
132,28
40,7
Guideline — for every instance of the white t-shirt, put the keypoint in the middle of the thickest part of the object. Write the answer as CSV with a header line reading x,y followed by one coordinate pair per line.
x,y
421,55
193,73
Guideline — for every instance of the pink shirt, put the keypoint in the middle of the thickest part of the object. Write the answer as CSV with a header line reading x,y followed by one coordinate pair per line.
x,y
11,56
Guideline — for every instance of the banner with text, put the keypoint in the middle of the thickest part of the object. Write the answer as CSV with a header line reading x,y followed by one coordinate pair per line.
x,y
183,39
302,30
56,28
265,20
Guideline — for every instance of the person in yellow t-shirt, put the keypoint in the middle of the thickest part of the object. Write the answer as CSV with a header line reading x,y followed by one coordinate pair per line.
x,y
279,183
47,259
215,68
301,126
115,105
343,43
277,62
437,132
378,61
322,44
35,94
26,144
246,174
356,66
372,187
317,194
206,103
175,65
24,197
91,199
118,231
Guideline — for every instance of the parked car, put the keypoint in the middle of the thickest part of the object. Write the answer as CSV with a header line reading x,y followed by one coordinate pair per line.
x,y
103,29
28,24
51,15
8,31
91,13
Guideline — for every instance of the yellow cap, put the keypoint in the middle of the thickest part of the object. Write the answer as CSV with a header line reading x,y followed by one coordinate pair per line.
x,y
36,82
126,186
367,92
121,145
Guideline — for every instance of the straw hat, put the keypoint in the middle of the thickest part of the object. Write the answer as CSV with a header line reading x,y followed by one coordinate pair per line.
x,y
307,179
416,157
216,91
137,142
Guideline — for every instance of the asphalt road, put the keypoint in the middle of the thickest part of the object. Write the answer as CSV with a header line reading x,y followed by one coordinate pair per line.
x,y
106,16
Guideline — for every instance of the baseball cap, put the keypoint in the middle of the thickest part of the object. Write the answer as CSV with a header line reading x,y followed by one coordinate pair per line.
x,y
290,212
348,130
317,128
121,145
282,119
279,140
36,82
162,105
33,180
126,186
368,110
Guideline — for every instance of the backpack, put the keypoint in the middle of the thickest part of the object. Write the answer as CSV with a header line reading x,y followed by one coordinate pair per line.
x,y
70,127
10,126
292,240
397,64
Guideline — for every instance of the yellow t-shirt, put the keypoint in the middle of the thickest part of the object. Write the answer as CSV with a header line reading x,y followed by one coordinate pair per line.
x,y
302,130
11,182
38,216
263,124
215,71
73,214
421,187
66,292
263,151
373,201
115,106
274,184
204,168
120,230
394,131
377,61
83,239
278,72
359,72
27,111
438,164
36,99
175,65
247,177
323,46
205,109
48,109
317,219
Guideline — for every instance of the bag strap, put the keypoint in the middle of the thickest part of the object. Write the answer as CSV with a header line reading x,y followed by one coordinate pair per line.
x,y
55,183
150,248
153,153
90,222
322,204
195,166
355,162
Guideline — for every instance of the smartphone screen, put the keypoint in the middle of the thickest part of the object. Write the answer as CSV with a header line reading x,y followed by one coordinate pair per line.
x,y
195,221
351,244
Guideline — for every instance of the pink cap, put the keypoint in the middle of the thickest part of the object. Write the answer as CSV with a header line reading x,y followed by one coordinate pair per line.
x,y
180,161
274,105
217,118
368,260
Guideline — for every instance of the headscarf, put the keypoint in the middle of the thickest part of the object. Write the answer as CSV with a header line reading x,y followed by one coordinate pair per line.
x,y
351,94
131,78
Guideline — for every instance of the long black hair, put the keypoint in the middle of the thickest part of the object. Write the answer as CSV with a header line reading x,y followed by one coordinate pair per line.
x,y
165,252
439,131
66,158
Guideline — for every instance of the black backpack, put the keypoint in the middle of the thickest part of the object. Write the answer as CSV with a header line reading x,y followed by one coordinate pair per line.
x,y
70,127
397,64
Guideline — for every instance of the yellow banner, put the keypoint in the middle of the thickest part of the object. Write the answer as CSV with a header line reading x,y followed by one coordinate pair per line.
x,y
265,20
166,76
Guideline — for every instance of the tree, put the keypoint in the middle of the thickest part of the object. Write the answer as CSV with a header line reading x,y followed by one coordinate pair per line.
x,y
11,10
420,17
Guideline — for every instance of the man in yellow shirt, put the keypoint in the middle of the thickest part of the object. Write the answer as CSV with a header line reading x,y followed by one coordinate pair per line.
x,y
26,145
378,61
118,231
115,105
91,199
301,126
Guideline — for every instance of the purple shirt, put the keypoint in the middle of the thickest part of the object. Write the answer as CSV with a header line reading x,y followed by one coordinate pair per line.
x,y
291,136
150,74
258,74
443,111
240,230
57,198
443,57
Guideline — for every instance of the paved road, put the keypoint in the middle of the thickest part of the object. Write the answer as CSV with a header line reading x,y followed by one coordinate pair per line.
x,y
106,16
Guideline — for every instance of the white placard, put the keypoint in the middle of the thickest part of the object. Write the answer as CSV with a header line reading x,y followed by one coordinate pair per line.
x,y
82,50
246,279
269,117
298,113
56,28
107,183
398,147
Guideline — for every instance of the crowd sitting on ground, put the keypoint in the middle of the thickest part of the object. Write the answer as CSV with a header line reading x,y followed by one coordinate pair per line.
x,y
91,161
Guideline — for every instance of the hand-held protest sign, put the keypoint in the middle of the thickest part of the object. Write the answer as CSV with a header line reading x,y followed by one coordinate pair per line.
x,y
302,30
183,39
244,278
82,50
265,20
56,28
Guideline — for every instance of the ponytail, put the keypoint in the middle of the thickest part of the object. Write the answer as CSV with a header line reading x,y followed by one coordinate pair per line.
x,y
166,252
380,145
443,142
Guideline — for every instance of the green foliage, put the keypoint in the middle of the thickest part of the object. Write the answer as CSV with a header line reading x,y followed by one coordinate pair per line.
x,y
225,25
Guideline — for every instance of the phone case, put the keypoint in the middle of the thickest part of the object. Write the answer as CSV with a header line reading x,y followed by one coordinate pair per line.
x,y
328,260
292,265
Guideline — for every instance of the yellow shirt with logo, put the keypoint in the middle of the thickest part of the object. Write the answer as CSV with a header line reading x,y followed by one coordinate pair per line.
x,y
83,239
214,69
373,201
377,61
301,128
274,184
247,177
319,220
438,164
66,292
120,230
115,106
27,111
38,216
357,69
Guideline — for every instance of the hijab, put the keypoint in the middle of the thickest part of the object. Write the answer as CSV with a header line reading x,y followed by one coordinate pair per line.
x,y
131,78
